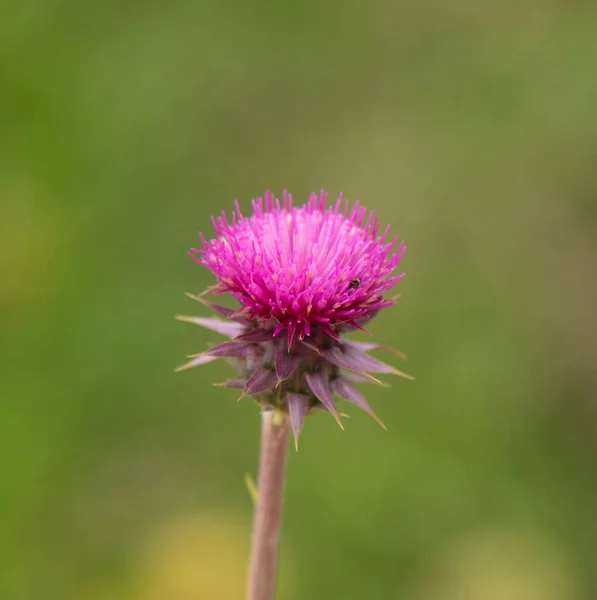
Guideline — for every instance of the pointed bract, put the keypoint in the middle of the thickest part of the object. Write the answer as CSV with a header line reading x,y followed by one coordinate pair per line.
x,y
260,381
202,359
355,360
358,378
238,384
319,385
286,363
369,346
345,390
231,350
228,328
298,405
311,347
256,336
229,313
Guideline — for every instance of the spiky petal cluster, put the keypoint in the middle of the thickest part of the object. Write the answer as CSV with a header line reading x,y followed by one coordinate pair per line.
x,y
304,267
311,272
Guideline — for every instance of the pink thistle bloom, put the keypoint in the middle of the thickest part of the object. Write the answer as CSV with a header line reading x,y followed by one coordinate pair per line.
x,y
312,266
311,273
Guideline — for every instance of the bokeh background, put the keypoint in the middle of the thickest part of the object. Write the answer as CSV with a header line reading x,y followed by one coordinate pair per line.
x,y
470,126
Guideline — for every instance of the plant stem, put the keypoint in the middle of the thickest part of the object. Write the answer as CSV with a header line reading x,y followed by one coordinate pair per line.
x,y
275,433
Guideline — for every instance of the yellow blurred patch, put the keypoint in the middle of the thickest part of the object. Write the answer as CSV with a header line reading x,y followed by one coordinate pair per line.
x,y
100,591
197,557
499,565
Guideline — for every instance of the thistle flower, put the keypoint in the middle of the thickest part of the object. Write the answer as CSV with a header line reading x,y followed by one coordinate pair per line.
x,y
303,277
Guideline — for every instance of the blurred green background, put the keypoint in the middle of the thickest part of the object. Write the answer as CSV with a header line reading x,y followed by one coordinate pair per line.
x,y
469,126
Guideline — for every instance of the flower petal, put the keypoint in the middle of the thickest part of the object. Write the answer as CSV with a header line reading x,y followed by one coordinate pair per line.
x,y
345,390
359,323
227,328
310,268
298,405
319,385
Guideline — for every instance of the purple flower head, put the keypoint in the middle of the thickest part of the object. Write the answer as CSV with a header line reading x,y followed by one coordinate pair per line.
x,y
311,272
312,266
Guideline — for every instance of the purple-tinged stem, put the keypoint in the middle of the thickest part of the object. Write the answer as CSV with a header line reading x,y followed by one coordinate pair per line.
x,y
275,433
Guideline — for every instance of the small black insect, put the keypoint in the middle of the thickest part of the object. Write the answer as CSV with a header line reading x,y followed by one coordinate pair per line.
x,y
354,284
